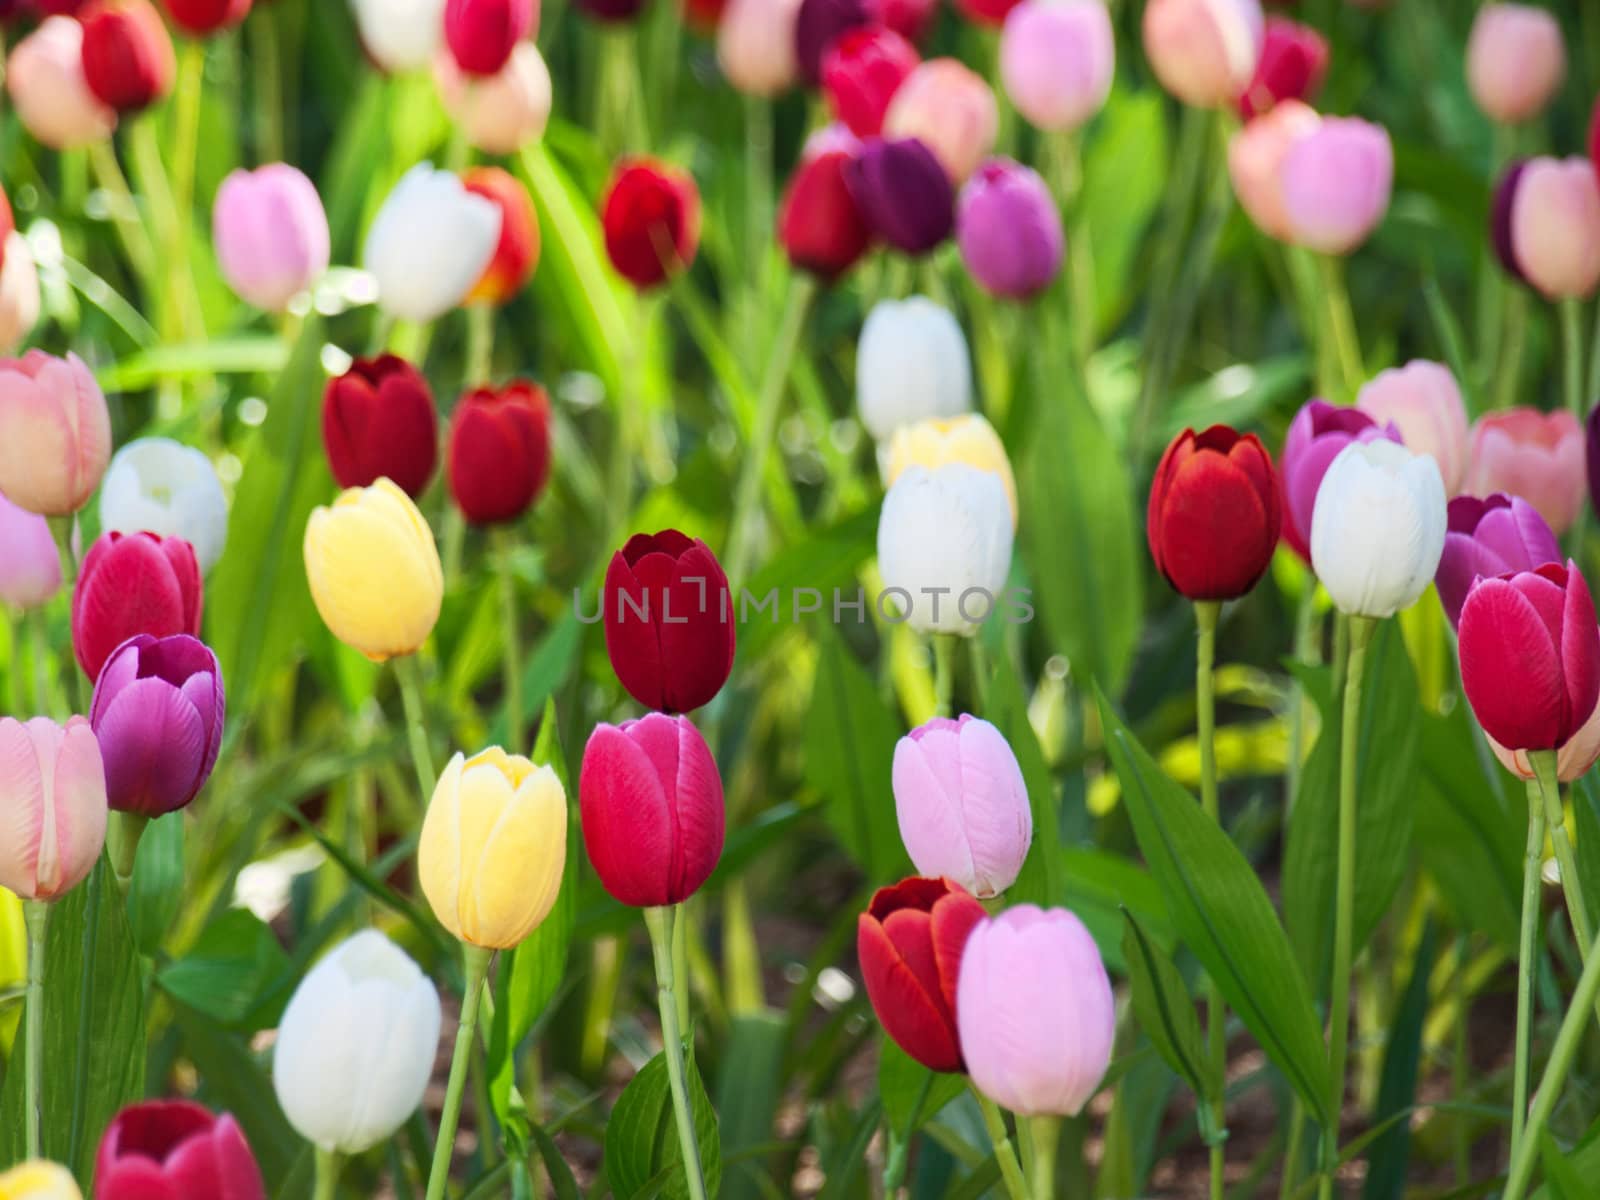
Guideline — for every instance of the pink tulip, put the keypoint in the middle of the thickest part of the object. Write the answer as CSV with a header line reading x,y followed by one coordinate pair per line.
x,y
44,76
1035,1012
1555,226
52,806
756,45
30,564
1336,182
1203,51
1515,61
951,110
1255,163
55,433
19,293
1057,58
1423,401
500,113
271,235
1538,456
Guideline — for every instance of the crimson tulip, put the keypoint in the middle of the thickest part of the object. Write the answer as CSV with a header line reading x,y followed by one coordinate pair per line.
x,y
987,12
1294,59
482,34
128,61
861,72
378,420
903,192
651,219
819,225
911,19
1489,537
201,18
132,584
517,253
499,453
175,1150
1215,513
819,24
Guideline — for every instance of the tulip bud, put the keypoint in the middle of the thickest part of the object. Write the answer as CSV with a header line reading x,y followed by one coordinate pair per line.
x,y
1255,163
756,45
271,235
1316,436
903,193
651,803
132,584
39,1180
1009,229
30,564
430,242
1546,223
52,805
819,225
45,79
1215,513
55,433
1489,537
820,23
1057,59
962,804
951,110
1035,1011
1422,401
911,363
127,54
1378,530
651,218
517,253
1336,181
202,18
861,72
378,420
936,442
1538,456
400,35
499,451
175,1148
1203,51
501,113
355,1047
911,19
19,293
493,848
1294,59
944,546
156,485
1516,61
910,943
482,33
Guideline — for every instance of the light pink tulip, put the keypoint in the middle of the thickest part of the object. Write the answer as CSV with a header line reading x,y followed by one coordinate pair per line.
x,y
1255,162
1573,759
499,113
1515,61
1538,456
951,109
756,46
1555,226
1057,58
271,234
52,806
30,563
962,804
1336,182
19,293
1423,401
1203,51
44,76
55,433
1035,1012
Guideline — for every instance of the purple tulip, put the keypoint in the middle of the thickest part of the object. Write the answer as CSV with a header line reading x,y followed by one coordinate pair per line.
x,y
1316,435
1500,219
903,193
1486,538
157,710
1009,229
819,23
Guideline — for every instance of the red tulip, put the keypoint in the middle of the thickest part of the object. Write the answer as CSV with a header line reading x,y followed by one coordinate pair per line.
x,y
204,17
703,15
1294,58
911,19
669,621
482,33
499,453
131,584
378,420
518,251
910,942
175,1150
987,12
1530,656
128,61
650,800
651,217
861,72
819,225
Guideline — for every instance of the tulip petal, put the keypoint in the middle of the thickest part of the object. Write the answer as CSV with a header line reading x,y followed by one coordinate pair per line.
x,y
1509,668
27,825
698,814
627,823
911,1016
1580,650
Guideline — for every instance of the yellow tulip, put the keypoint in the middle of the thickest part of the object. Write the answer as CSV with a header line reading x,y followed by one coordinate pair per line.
x,y
939,441
13,964
374,571
39,1180
494,844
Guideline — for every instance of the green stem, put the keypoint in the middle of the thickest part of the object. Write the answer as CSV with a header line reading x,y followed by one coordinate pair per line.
x,y
943,672
186,140
126,830
1527,945
1289,1184
480,344
39,652
266,60
406,671
1545,789
328,1165
1572,355
1206,613
1046,1132
1508,367
512,660
680,963
995,1122
1341,326
124,211
476,960
36,916
660,922
1306,650
181,300
978,661
758,206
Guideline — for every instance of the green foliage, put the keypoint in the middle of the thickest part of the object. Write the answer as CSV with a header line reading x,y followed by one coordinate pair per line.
x,y
642,1154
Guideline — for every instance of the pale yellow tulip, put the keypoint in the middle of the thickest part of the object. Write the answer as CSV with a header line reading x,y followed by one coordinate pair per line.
x,y
939,441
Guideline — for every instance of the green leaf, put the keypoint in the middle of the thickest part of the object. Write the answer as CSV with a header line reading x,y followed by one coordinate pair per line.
x,y
1128,162
1584,1158
642,1140
156,891
1586,819
1397,1088
1165,1010
1100,886
1562,1180
749,1087
1006,708
231,971
911,1093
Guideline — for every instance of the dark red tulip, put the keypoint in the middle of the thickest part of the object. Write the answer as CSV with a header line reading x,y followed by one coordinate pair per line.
x,y
819,225
612,10
861,72
903,193
650,799
128,60
818,23
669,621
482,34
910,942
132,584
1215,513
378,420
1294,59
651,218
911,19
201,18
986,12
703,15
175,1150
499,456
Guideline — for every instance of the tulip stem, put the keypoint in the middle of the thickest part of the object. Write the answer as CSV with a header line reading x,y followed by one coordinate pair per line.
x,y
405,669
480,344
512,660
660,922
476,960
329,1163
36,917
1004,1153
1206,613
124,210
1527,947
1341,326
943,672
1572,355
126,830
1046,1132
1546,790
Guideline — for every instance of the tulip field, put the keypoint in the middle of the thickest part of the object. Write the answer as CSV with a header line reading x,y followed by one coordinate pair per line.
x,y
858,599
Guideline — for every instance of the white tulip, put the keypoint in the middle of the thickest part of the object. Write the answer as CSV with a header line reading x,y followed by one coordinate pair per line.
x,y
356,1045
1377,530
430,242
157,485
944,541
912,363
400,35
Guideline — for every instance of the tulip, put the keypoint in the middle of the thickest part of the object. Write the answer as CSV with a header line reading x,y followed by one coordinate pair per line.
x,y
52,805
51,96
482,33
501,113
1378,530
19,293
430,242
493,848
30,563
612,10
1553,225
202,18
1573,760
832,138
1422,401
158,709
1215,513
911,363
1316,436
945,537
818,24
910,943
903,193
517,253
819,226
1057,59
1336,181
703,16
1035,1011
1501,207
1294,59
962,804
1203,51
55,433
911,19
1255,163
172,1150
1538,456
499,453
400,35
939,441
651,218
1009,229
378,420
271,235
951,110
651,803
862,71
756,45
131,584
39,1180
156,485
1516,61
987,12
355,1047
127,55
374,571
1489,537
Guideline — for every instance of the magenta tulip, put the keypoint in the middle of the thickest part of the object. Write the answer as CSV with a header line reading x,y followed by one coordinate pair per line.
x,y
1317,434
1489,537
1009,229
